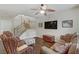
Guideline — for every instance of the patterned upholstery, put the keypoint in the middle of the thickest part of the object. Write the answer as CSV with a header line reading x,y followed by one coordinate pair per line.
x,y
68,37
10,42
5,43
48,38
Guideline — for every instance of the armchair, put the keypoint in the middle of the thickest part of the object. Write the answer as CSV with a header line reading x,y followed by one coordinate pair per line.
x,y
13,44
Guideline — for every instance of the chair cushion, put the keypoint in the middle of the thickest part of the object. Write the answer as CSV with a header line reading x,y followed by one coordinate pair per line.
x,y
21,47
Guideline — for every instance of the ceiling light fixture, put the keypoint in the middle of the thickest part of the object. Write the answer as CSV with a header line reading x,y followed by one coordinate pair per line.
x,y
42,11
44,7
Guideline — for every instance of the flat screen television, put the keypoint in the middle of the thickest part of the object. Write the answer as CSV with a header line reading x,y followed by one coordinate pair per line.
x,y
50,25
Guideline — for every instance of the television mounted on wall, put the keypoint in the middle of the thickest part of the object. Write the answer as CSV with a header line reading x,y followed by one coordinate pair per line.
x,y
50,24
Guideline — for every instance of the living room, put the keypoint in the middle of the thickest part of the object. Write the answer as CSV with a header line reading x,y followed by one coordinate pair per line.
x,y
44,29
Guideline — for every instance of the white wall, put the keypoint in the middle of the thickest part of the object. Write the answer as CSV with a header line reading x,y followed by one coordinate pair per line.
x,y
20,18
6,25
71,14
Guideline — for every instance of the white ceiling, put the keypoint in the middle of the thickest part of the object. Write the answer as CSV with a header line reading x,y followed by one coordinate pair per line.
x,y
11,10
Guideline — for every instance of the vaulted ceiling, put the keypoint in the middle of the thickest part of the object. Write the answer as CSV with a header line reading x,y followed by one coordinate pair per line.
x,y
11,10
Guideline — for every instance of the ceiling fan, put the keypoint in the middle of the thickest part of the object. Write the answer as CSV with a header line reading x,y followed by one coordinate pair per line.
x,y
43,9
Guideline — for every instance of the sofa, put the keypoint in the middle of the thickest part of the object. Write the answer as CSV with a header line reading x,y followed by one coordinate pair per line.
x,y
66,45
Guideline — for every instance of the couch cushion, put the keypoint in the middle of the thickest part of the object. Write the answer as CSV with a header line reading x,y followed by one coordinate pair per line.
x,y
61,48
47,50
48,38
72,49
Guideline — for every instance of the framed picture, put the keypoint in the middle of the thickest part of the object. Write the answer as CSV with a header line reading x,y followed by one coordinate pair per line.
x,y
67,23
40,24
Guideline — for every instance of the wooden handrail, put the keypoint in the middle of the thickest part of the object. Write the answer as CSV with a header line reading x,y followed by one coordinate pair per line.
x,y
22,26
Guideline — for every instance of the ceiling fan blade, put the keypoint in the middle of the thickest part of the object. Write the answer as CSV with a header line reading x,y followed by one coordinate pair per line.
x,y
51,10
34,9
36,13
